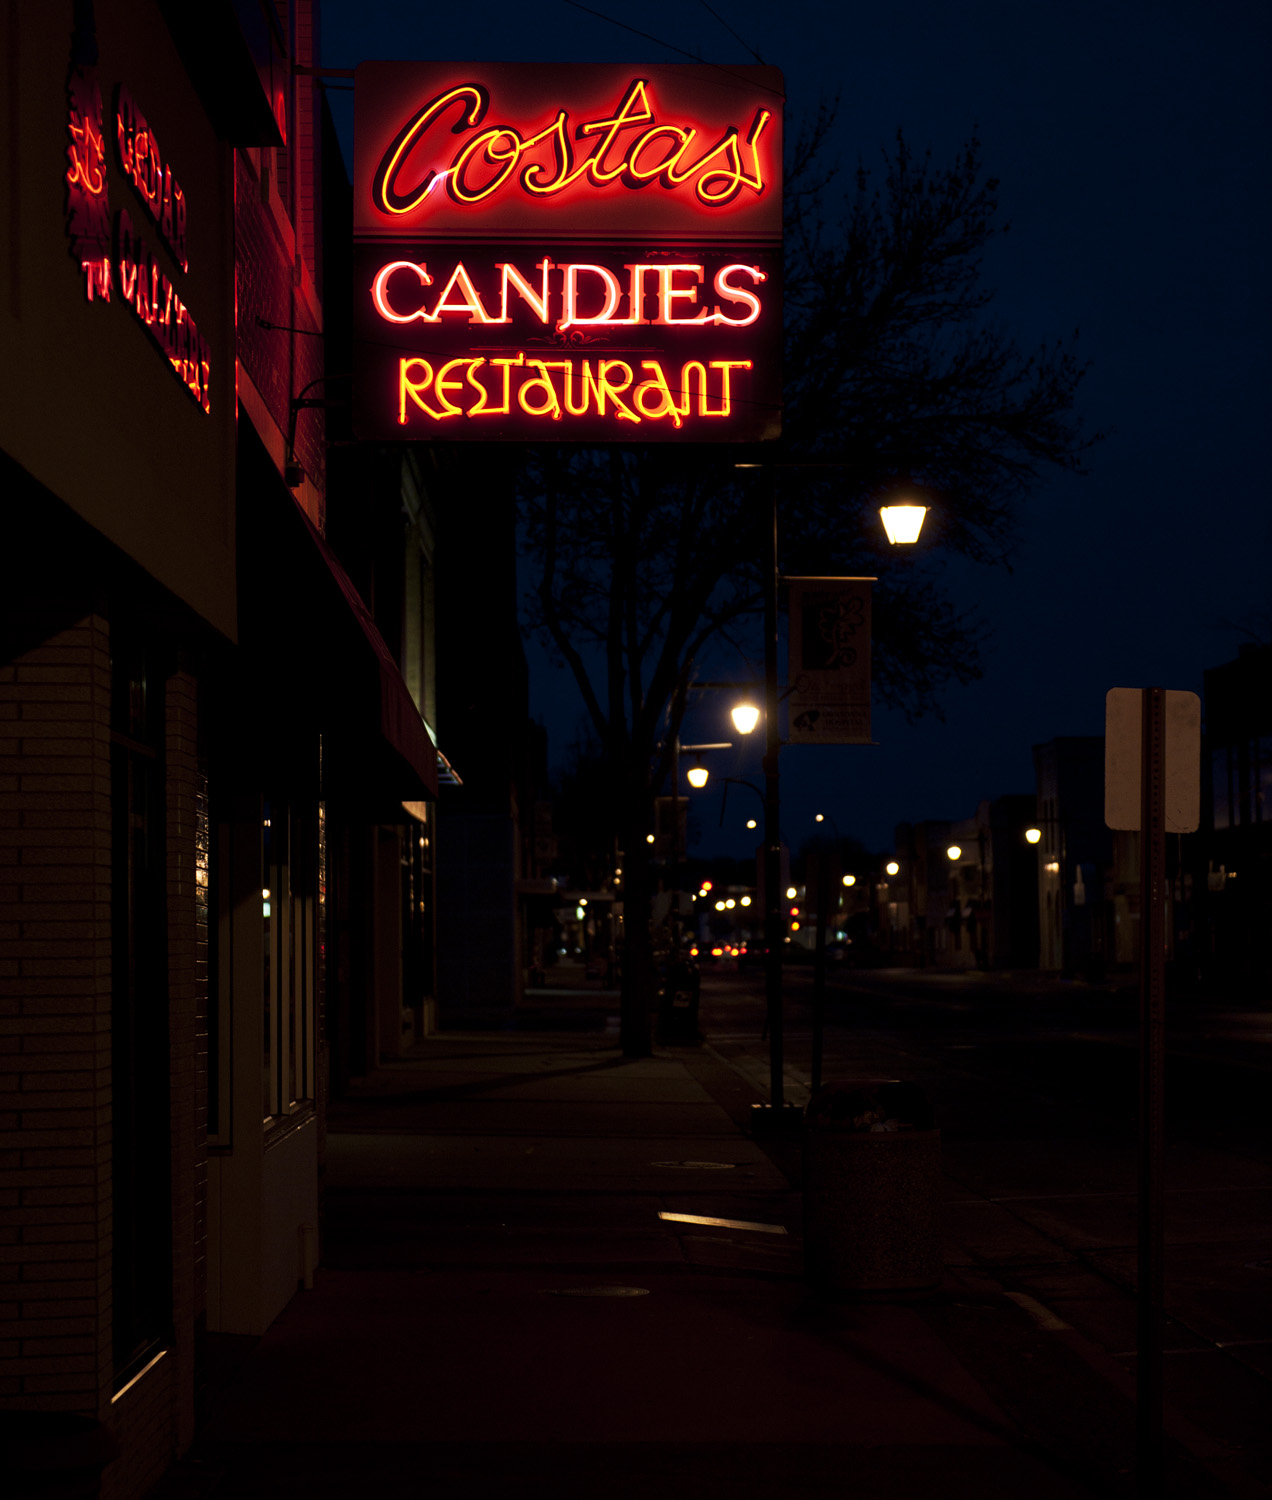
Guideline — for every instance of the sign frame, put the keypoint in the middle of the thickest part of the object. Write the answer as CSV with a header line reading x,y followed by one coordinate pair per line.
x,y
828,663
570,253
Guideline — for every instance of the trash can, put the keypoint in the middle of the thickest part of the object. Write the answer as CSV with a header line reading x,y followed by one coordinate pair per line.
x,y
56,1455
678,1002
872,1189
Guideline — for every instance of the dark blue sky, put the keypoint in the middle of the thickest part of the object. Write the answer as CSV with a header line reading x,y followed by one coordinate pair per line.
x,y
1131,141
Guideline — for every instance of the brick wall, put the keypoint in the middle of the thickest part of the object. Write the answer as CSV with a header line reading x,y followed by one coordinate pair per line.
x,y
142,1421
55,1016
268,271
55,1044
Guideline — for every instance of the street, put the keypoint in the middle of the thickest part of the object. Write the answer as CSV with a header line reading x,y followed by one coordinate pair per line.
x,y
1035,1087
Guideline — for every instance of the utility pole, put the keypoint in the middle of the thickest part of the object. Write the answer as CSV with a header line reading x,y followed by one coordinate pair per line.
x,y
772,808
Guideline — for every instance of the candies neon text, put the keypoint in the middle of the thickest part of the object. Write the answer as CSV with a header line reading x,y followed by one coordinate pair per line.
x,y
583,295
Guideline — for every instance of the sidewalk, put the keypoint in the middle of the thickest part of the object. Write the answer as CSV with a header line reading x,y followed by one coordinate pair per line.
x,y
501,1311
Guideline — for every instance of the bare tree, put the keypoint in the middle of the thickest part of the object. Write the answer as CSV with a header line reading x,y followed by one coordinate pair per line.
x,y
647,556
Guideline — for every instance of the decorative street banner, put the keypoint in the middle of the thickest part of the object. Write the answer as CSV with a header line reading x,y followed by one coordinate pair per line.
x,y
568,253
829,667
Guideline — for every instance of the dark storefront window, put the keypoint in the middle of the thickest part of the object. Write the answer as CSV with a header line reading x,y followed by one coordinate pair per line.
x,y
142,1239
1219,787
289,913
417,911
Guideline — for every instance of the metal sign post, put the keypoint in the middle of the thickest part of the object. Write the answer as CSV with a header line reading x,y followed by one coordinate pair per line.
x,y
1152,782
1151,1243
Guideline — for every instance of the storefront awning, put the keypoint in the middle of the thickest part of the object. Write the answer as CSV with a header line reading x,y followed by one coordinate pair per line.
x,y
316,654
400,722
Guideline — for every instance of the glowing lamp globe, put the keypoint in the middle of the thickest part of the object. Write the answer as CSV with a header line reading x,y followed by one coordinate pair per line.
x,y
697,776
1033,835
850,880
954,852
892,867
745,717
902,523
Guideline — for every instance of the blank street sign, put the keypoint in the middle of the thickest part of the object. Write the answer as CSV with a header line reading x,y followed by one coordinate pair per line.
x,y
1123,724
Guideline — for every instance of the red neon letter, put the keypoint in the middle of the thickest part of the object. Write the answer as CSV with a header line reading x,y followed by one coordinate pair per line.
x,y
613,291
738,294
543,381
380,291
668,294
656,385
472,304
539,304
506,160
384,192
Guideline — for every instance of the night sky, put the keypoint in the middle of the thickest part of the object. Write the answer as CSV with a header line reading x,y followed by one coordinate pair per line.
x,y
1131,141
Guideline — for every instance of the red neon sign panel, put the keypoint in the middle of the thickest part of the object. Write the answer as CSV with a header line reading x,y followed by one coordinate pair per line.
x,y
593,152
472,342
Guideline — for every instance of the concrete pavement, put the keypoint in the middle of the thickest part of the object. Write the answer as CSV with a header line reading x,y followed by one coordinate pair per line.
x,y
500,1310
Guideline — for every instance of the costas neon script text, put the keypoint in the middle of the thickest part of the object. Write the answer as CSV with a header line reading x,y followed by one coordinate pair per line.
x,y
595,153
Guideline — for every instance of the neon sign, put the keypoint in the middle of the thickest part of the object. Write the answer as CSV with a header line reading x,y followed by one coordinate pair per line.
x,y
598,349
87,189
543,164
137,152
567,253
157,307
393,307
557,388
116,257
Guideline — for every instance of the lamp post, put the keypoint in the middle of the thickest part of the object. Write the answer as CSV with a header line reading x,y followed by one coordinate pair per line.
x,y
697,777
824,879
902,522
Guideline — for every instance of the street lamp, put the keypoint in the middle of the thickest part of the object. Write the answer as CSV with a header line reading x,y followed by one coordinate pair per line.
x,y
745,717
1033,835
954,852
892,867
902,523
696,776
850,880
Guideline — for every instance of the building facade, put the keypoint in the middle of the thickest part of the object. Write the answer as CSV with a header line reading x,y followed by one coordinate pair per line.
x,y
1234,888
216,769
